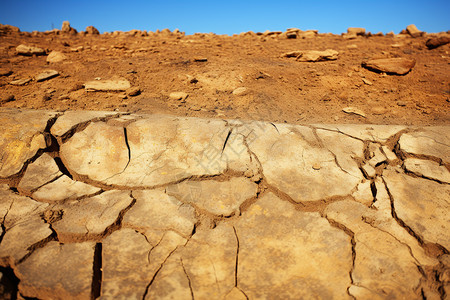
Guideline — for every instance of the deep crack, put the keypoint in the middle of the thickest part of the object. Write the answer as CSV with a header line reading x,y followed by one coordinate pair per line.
x,y
188,278
96,287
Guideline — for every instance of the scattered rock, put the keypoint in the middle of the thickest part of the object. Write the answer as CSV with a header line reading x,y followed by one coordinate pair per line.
x,y
413,31
367,81
200,59
355,111
178,96
5,72
67,29
401,103
356,30
55,57
437,42
313,55
107,85
92,30
6,98
47,74
397,66
240,91
133,91
4,29
20,81
29,50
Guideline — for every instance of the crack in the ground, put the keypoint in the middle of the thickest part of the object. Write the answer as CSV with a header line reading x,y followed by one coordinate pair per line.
x,y
351,234
431,249
226,140
236,268
147,288
96,287
188,278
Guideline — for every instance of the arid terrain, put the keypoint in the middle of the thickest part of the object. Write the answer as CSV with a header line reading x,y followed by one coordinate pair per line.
x,y
209,68
137,165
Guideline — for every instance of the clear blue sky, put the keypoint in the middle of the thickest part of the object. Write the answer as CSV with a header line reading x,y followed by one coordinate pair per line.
x,y
228,17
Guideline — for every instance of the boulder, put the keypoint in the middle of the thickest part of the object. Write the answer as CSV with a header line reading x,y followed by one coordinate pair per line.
x,y
56,57
413,31
356,30
437,42
92,30
29,50
67,29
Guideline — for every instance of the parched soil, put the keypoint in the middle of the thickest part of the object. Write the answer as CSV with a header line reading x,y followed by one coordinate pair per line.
x,y
278,89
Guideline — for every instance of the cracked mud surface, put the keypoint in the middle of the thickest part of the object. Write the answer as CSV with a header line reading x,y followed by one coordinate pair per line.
x,y
103,205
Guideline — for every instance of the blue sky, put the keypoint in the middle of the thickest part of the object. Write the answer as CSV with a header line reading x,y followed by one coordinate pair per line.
x,y
227,17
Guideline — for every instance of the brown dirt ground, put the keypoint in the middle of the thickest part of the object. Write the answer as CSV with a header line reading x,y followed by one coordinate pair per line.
x,y
280,89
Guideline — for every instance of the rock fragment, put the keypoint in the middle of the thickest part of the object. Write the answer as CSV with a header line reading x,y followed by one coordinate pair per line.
x,y
5,72
67,29
396,66
240,91
20,82
133,91
92,30
56,57
178,96
313,55
437,42
356,30
354,111
47,74
38,173
29,50
413,31
107,85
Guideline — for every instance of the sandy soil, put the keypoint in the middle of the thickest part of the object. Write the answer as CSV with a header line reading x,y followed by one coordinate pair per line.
x,y
278,89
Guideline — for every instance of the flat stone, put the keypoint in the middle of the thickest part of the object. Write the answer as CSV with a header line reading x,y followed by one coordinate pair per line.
x,y
240,91
20,82
296,247
20,137
52,272
432,141
56,57
171,148
363,193
383,267
64,188
427,168
107,85
29,50
354,111
47,74
313,55
220,198
131,260
288,161
178,96
38,173
369,170
90,216
133,91
422,204
397,66
70,119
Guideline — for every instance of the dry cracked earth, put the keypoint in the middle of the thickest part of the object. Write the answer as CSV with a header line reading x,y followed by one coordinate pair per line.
x,y
111,205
